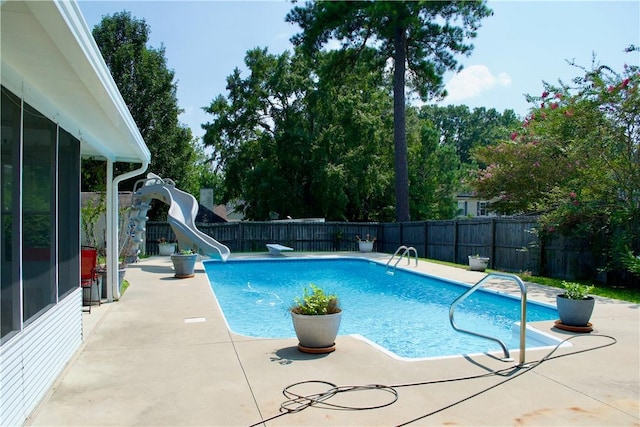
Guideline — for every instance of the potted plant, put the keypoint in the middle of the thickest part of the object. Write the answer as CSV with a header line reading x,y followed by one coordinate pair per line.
x,y
478,263
316,319
166,248
366,244
184,263
575,307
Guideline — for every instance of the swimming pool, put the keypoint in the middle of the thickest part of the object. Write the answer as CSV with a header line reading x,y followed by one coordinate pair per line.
x,y
406,313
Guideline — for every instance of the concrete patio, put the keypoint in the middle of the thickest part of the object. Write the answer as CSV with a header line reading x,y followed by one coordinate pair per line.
x,y
163,356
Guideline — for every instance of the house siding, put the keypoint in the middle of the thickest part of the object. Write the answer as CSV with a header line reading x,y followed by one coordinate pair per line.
x,y
76,95
32,361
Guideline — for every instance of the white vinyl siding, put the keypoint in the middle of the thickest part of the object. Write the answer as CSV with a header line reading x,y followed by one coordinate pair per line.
x,y
32,361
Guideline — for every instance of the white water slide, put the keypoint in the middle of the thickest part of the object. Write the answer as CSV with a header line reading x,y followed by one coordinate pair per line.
x,y
183,209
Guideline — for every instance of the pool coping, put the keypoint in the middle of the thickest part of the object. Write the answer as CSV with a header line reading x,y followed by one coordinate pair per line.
x,y
143,362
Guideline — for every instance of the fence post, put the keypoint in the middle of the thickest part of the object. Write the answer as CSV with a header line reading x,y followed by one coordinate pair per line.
x,y
455,241
492,257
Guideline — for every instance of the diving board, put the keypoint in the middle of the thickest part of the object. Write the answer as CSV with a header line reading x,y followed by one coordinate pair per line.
x,y
276,249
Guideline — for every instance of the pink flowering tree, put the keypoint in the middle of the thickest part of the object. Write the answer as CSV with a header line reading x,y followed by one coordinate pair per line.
x,y
575,160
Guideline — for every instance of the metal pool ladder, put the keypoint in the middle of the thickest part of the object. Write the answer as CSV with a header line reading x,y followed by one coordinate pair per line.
x,y
523,314
405,251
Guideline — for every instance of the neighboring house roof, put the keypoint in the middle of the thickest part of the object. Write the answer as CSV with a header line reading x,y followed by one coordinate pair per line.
x,y
470,195
50,58
207,216
221,211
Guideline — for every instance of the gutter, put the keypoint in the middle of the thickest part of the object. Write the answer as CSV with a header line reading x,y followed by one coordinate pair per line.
x,y
112,226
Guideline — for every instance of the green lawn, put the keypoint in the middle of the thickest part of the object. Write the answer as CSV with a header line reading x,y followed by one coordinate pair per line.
x,y
619,293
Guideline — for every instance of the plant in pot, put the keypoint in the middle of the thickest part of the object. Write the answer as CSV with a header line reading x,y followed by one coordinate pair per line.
x,y
316,319
127,247
184,263
575,307
478,263
166,248
366,244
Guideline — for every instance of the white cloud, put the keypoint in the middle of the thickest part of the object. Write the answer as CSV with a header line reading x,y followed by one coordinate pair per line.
x,y
472,81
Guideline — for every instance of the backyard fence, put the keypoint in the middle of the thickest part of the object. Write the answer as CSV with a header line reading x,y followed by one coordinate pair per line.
x,y
512,244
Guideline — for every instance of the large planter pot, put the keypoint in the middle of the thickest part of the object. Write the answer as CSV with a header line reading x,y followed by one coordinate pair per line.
x,y
316,333
365,246
166,249
184,265
478,263
575,312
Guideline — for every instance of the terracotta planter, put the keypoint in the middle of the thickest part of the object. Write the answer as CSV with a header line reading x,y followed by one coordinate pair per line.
x,y
316,333
184,265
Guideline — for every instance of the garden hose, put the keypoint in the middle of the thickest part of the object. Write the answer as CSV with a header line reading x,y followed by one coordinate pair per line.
x,y
297,402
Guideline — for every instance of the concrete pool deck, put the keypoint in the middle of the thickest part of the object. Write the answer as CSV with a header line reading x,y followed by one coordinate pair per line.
x,y
163,356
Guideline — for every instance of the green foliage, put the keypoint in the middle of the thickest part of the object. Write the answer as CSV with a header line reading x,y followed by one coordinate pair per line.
x,y
578,146
617,292
310,139
463,130
315,302
574,290
293,139
147,87
423,36
632,262
575,161
90,214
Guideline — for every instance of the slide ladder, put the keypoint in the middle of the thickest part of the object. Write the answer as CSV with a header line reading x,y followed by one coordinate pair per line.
x,y
131,229
401,252
523,314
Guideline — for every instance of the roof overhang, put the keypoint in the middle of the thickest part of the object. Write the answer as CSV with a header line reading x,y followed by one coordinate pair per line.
x,y
50,59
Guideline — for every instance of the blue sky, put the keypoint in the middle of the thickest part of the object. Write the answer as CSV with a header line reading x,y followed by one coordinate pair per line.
x,y
522,44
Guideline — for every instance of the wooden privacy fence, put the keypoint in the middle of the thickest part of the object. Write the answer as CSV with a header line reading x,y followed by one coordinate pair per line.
x,y
510,242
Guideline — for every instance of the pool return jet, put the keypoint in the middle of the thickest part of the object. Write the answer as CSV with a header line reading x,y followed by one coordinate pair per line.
x,y
183,209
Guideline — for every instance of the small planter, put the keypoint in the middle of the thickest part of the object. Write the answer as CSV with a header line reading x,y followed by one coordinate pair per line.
x,y
166,249
365,246
478,263
184,265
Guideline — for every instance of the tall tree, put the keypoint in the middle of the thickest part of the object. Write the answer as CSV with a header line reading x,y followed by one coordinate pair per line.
x,y
421,38
149,90
297,140
434,170
576,159
463,129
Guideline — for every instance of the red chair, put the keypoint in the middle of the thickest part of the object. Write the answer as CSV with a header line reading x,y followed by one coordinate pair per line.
x,y
88,277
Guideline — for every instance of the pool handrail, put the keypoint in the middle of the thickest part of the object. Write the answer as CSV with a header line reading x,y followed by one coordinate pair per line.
x,y
406,251
523,314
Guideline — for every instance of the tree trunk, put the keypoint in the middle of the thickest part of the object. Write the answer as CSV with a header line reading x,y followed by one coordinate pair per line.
x,y
399,126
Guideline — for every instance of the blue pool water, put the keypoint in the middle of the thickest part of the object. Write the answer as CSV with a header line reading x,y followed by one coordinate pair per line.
x,y
406,313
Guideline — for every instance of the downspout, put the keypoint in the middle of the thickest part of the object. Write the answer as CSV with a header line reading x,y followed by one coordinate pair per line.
x,y
112,226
